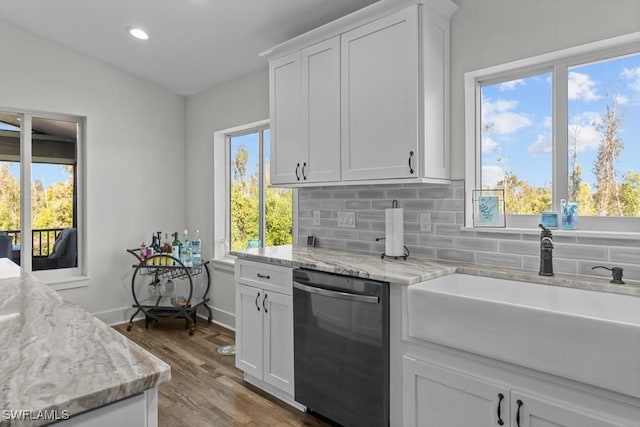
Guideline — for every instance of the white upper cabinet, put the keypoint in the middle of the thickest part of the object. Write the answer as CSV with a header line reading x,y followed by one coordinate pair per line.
x,y
364,98
380,98
321,111
284,99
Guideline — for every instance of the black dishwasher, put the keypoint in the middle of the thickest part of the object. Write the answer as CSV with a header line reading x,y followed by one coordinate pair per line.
x,y
341,347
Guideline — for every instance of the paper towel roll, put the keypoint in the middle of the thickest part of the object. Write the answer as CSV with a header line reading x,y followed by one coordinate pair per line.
x,y
394,232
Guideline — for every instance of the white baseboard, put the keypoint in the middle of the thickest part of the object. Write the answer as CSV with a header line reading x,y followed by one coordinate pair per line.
x,y
286,398
119,316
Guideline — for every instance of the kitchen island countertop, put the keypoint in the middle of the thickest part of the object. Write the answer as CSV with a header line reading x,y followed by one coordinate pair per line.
x,y
58,357
415,269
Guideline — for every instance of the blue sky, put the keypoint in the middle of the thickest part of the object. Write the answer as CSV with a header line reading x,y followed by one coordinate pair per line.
x,y
519,114
251,144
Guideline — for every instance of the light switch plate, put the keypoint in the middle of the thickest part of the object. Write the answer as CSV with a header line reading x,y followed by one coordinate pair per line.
x,y
346,219
316,217
425,221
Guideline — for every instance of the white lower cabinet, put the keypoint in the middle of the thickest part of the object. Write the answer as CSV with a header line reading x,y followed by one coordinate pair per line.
x,y
439,396
264,324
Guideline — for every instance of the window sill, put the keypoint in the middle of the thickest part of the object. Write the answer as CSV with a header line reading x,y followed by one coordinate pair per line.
x,y
561,232
226,263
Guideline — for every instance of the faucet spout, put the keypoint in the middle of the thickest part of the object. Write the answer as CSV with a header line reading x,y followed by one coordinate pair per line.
x,y
546,252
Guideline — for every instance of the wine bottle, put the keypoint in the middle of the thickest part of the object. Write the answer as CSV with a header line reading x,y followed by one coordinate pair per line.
x,y
175,247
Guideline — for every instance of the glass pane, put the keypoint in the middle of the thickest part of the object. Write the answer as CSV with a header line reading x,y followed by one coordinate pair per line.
x,y
10,236
244,192
53,194
278,206
516,142
604,137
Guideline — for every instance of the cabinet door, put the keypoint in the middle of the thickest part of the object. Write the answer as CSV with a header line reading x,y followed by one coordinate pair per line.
x,y
249,329
278,341
533,411
434,396
285,105
379,76
321,110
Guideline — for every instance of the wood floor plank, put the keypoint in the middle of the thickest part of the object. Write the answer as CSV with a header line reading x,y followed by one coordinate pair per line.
x,y
206,388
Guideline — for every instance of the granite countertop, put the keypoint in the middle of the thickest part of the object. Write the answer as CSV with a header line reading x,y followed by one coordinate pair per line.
x,y
415,269
57,356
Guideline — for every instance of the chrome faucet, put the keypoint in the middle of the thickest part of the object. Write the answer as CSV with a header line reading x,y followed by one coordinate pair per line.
x,y
546,252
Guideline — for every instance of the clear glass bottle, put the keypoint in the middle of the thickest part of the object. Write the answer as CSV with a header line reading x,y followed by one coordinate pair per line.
x,y
185,251
196,249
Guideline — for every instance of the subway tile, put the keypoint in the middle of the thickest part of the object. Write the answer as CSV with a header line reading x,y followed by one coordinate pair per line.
x,y
607,241
410,239
411,227
443,217
371,194
436,193
357,204
319,231
410,216
344,194
502,260
497,236
487,245
423,252
455,255
326,242
459,218
369,236
345,234
436,241
584,252
450,205
458,192
624,255
377,226
556,238
448,229
420,205
370,216
321,194
518,247
382,204
402,193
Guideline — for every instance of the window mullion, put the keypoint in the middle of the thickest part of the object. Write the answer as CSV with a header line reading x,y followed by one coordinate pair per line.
x,y
26,241
261,189
560,185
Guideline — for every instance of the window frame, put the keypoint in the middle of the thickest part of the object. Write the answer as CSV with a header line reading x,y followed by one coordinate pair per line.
x,y
222,198
558,63
58,278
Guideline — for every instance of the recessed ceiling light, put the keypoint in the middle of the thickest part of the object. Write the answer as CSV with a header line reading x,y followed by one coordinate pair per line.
x,y
138,33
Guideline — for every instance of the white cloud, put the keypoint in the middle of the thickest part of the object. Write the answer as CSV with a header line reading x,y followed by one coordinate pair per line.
x,y
501,117
632,74
489,145
491,175
511,85
581,128
542,145
622,100
581,87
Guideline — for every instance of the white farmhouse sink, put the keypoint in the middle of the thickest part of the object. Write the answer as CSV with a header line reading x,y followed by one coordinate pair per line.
x,y
587,336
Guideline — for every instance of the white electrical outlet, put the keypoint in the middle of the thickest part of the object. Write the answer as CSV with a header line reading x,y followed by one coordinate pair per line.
x,y
346,219
425,221
316,217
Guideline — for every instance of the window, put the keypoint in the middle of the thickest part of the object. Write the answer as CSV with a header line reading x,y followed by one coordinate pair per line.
x,y
39,190
561,126
258,214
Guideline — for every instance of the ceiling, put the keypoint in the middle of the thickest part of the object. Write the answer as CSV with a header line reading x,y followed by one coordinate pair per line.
x,y
193,44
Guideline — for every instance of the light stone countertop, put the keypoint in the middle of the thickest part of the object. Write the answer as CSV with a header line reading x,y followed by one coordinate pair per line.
x,y
415,269
57,356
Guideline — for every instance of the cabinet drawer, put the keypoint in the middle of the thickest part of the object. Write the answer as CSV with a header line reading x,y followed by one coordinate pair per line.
x,y
267,276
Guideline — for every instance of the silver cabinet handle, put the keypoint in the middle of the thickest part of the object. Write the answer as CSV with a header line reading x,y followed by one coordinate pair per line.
x,y
369,299
304,174
297,167
263,276
257,298
264,303
410,166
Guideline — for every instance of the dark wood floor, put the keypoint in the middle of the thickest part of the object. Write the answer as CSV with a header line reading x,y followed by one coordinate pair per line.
x,y
206,388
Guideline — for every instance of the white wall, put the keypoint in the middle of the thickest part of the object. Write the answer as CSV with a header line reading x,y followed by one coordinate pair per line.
x,y
491,32
134,150
235,103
